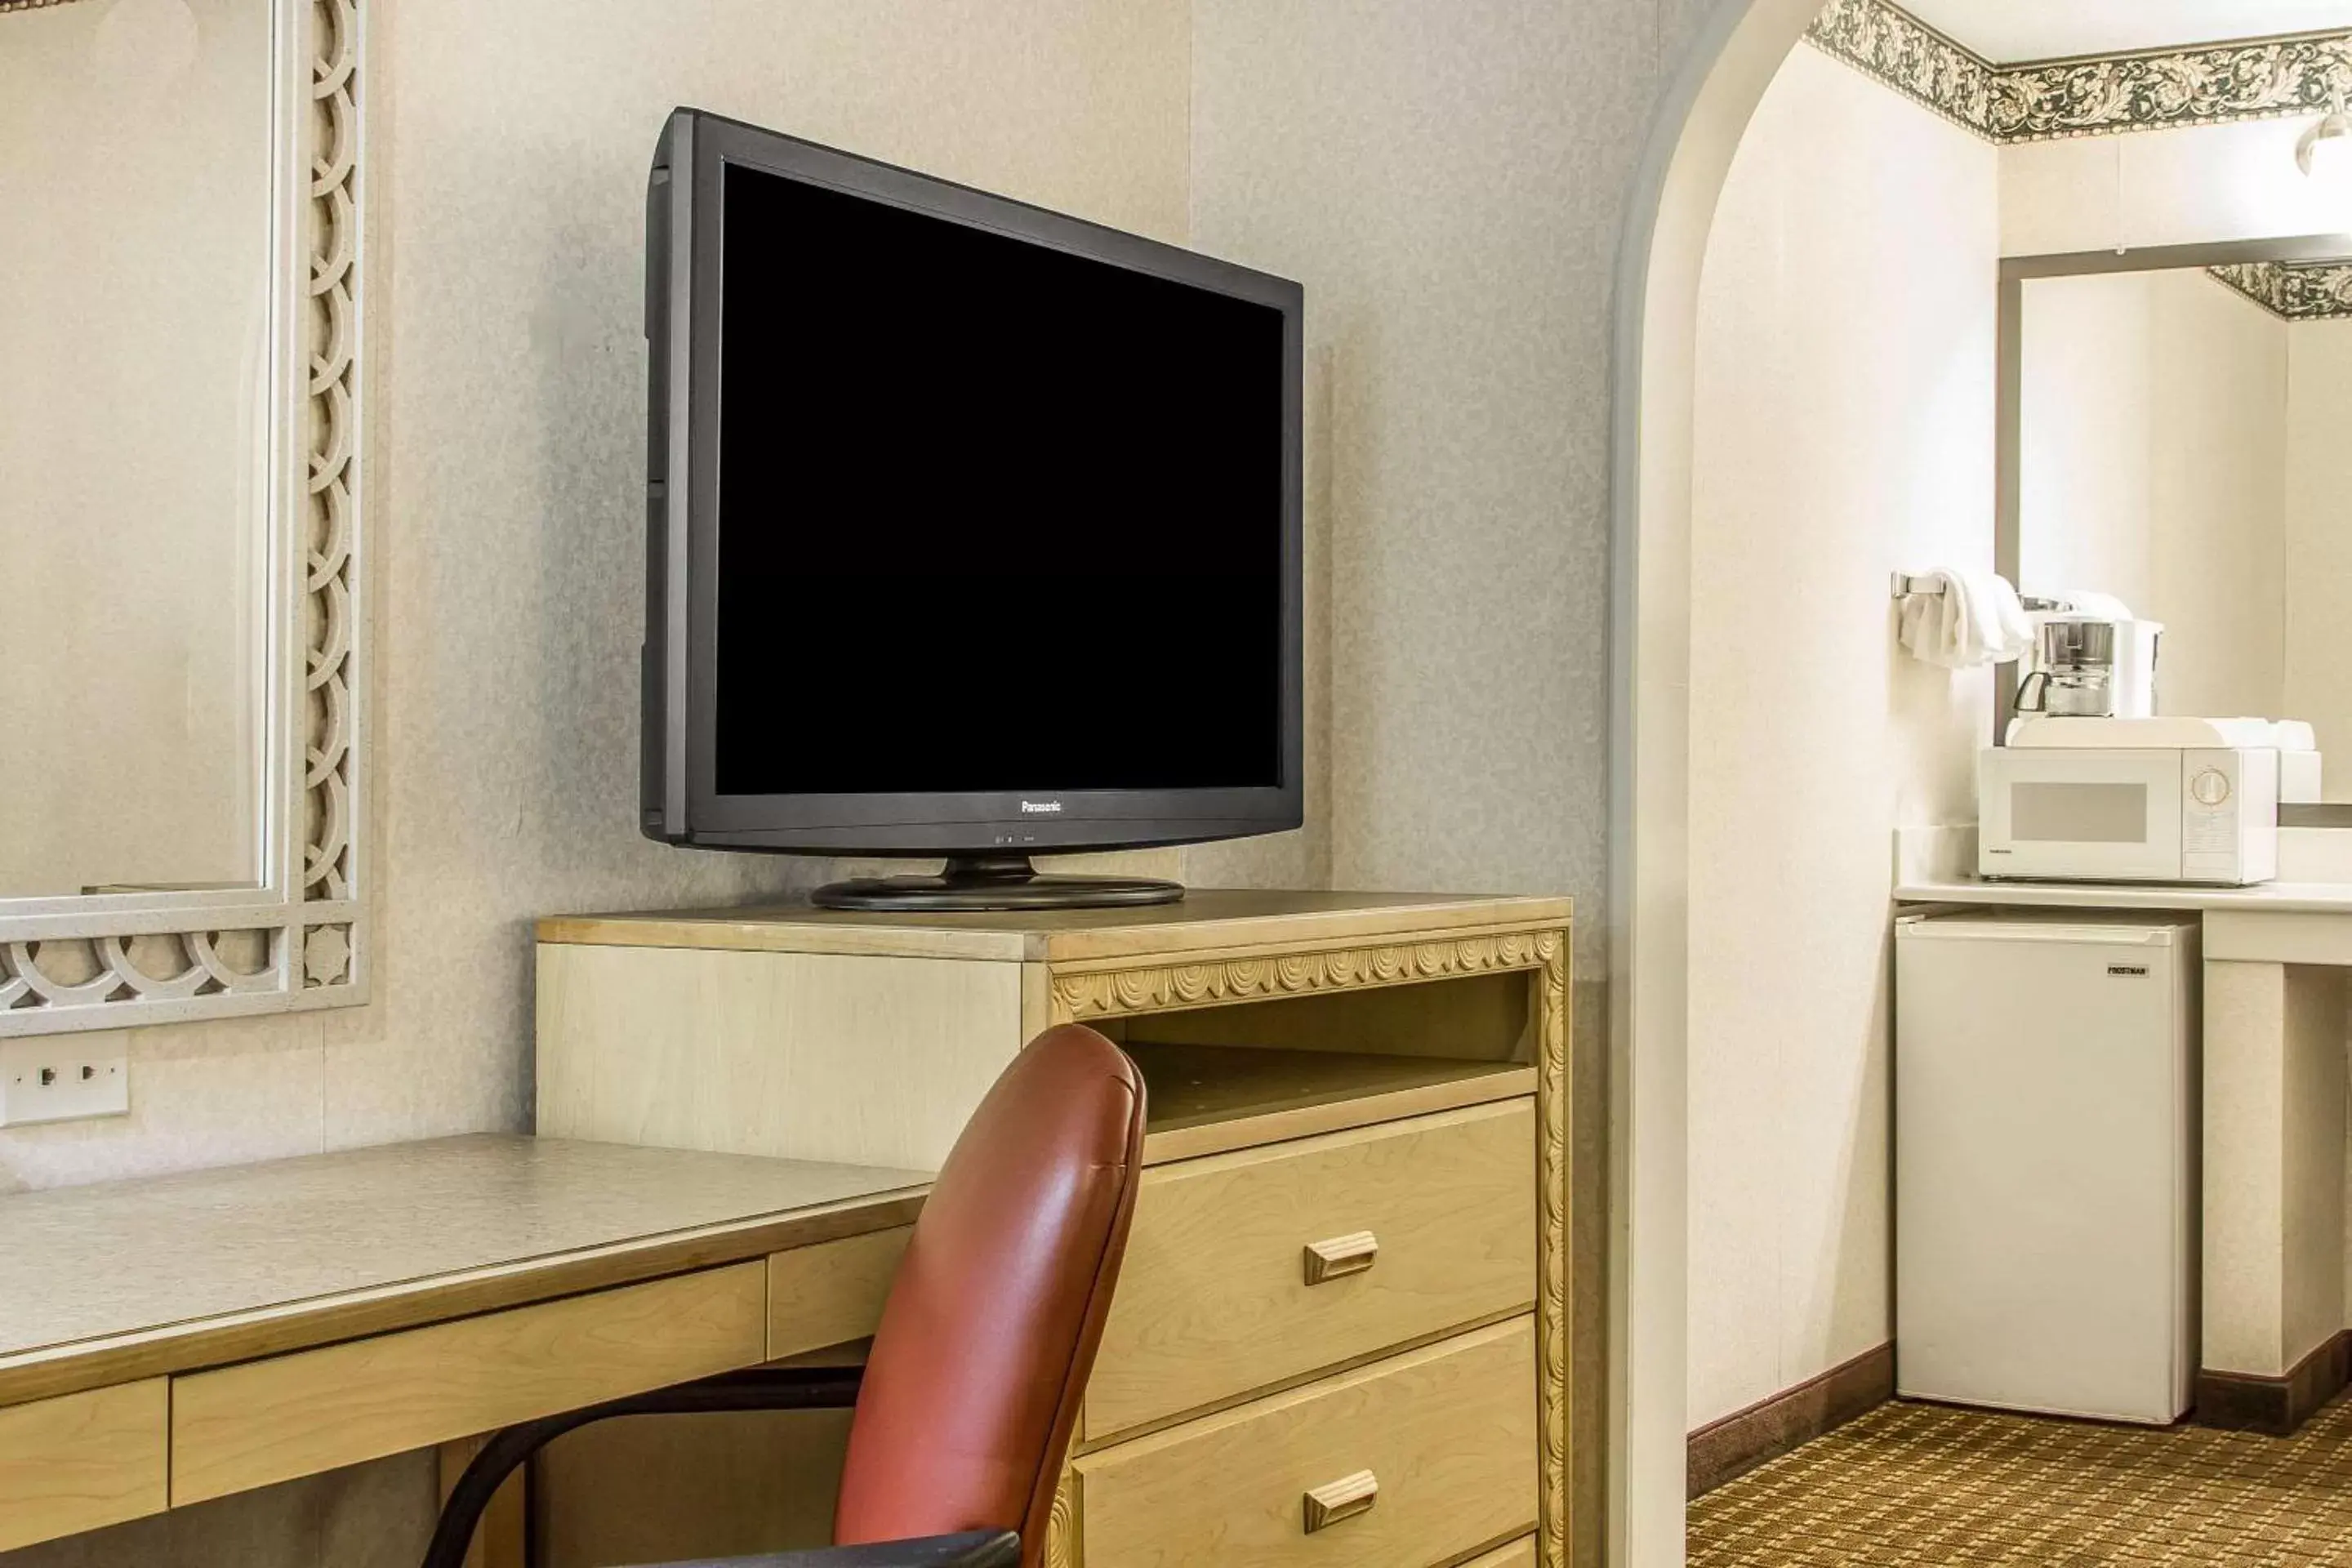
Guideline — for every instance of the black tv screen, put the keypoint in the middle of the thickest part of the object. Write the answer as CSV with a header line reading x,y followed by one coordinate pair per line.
x,y
951,458
972,528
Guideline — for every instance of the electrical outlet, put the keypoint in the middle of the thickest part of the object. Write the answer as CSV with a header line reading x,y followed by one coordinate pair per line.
x,y
65,1077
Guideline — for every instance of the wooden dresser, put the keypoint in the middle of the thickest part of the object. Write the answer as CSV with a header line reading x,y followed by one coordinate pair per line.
x,y
1341,1333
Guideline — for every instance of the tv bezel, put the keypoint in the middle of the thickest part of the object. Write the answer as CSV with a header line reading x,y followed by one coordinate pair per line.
x,y
685,284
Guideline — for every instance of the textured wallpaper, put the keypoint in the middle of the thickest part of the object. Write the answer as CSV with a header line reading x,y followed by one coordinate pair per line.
x,y
1444,180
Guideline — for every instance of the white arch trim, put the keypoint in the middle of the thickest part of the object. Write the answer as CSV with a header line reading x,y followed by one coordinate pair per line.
x,y
1682,175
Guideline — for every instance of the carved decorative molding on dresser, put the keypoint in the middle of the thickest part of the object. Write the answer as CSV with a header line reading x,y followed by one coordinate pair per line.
x,y
1341,1333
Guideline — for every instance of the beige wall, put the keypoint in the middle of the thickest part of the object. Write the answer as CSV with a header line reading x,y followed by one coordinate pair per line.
x,y
2190,185
2319,541
1428,173
2084,469
2153,465
2185,450
2218,455
134,330
1844,430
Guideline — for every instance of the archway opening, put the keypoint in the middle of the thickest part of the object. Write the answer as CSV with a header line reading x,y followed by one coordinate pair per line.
x,y
1661,845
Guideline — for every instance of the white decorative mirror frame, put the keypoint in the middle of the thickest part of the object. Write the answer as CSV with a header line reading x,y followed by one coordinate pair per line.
x,y
299,939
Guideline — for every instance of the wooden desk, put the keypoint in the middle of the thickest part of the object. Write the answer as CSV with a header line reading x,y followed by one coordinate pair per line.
x,y
168,1341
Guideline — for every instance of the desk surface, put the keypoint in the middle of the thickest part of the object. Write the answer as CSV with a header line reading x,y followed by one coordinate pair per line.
x,y
2270,898
100,1284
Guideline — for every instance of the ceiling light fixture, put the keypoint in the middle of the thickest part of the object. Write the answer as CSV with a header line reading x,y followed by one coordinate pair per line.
x,y
2327,144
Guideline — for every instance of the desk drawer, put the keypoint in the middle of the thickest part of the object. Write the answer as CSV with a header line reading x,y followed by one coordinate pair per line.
x,y
266,1421
1214,1304
82,1462
831,1292
1447,1433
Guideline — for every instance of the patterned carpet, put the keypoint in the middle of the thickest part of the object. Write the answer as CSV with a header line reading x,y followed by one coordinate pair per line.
x,y
1927,1484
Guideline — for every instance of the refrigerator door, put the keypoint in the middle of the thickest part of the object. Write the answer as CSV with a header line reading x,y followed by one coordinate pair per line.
x,y
2045,1134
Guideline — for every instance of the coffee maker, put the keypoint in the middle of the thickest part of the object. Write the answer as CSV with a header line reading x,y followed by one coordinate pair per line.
x,y
2089,666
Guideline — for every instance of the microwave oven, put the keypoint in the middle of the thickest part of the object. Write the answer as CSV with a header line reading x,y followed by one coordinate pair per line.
x,y
2167,814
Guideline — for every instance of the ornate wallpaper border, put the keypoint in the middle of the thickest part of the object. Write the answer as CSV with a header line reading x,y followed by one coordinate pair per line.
x,y
1891,46
2294,291
2219,84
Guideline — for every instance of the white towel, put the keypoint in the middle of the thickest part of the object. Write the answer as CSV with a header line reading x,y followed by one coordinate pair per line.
x,y
1974,619
2091,602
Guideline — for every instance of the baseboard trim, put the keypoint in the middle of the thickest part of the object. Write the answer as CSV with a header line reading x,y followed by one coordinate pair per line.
x,y
1725,1449
2248,1401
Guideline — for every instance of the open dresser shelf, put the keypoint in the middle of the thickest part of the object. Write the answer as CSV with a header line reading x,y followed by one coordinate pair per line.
x,y
1207,1099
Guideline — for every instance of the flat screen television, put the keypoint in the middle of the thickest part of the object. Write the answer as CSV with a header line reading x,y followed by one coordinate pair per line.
x,y
972,529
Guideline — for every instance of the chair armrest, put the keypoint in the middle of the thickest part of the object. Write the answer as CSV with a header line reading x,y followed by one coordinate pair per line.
x,y
973,1549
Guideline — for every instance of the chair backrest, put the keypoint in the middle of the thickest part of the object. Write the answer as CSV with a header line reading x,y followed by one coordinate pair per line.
x,y
972,1390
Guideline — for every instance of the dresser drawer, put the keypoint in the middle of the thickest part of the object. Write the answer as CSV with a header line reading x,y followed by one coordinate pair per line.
x,y
1442,1439
265,1421
1422,1227
84,1460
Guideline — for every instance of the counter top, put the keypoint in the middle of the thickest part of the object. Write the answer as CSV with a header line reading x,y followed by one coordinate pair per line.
x,y
2269,897
131,1278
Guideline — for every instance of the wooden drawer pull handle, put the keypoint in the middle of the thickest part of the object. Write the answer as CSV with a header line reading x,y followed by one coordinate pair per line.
x,y
1344,1498
1341,1255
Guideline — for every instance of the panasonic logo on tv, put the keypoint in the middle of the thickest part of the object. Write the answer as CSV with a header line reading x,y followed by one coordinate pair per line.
x,y
1040,808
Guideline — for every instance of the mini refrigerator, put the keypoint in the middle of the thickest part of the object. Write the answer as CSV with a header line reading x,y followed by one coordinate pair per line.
x,y
2046,1130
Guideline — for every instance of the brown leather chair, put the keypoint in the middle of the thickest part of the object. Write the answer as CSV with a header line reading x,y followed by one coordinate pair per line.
x,y
966,1404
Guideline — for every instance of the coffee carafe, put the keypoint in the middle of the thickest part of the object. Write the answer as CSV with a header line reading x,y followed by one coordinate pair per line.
x,y
2091,667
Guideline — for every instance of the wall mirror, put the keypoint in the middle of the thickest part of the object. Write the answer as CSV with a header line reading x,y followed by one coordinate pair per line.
x,y
179,510
2178,432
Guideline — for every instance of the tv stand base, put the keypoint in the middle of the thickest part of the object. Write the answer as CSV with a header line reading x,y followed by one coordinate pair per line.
x,y
969,883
